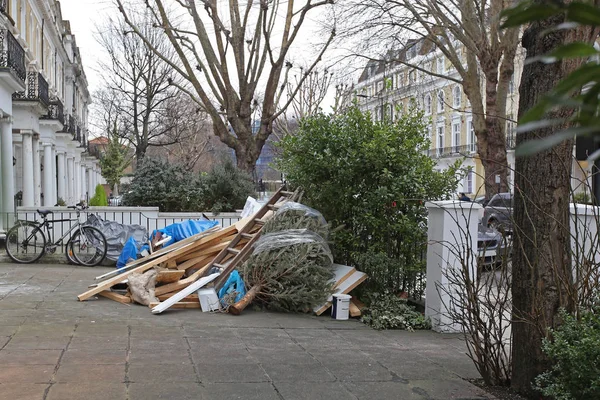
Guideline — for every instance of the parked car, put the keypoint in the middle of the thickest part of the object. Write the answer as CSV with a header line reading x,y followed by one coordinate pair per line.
x,y
492,247
497,213
115,201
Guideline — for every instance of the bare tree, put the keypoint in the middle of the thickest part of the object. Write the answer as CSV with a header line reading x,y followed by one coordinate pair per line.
x,y
137,86
469,34
224,52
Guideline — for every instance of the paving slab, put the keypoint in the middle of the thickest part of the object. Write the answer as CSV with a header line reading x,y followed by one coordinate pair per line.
x,y
55,346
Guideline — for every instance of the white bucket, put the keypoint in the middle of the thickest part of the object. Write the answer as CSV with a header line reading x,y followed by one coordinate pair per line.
x,y
209,301
341,306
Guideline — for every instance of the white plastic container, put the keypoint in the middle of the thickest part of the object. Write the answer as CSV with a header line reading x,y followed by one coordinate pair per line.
x,y
209,301
341,306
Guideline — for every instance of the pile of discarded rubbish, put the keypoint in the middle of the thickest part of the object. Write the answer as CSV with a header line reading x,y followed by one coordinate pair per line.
x,y
279,258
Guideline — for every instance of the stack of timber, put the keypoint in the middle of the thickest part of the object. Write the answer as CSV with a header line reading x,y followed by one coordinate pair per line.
x,y
186,266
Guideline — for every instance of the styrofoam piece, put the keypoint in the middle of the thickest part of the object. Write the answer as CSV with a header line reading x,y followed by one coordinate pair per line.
x,y
184,293
209,301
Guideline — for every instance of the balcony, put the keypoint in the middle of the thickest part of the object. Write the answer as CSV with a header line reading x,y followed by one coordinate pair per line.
x,y
463,151
36,89
55,111
12,56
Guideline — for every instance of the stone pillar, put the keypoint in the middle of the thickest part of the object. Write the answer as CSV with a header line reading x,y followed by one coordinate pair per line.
x,y
27,155
84,185
70,180
6,169
37,172
54,181
48,177
452,245
77,181
62,175
90,180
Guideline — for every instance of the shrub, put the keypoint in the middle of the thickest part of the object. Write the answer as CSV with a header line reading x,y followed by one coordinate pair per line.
x,y
99,198
574,351
388,311
167,186
226,187
372,178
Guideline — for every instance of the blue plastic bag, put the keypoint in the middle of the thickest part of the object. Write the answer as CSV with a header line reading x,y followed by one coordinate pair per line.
x,y
130,251
185,229
233,284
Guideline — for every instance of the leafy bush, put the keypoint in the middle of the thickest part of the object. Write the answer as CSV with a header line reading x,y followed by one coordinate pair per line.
x,y
99,199
582,198
372,178
168,186
172,188
388,311
60,202
574,352
226,187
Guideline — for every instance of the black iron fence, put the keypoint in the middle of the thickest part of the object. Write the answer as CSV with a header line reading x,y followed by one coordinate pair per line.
x,y
56,111
36,89
12,55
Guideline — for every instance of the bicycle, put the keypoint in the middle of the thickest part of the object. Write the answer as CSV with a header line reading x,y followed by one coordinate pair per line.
x,y
26,242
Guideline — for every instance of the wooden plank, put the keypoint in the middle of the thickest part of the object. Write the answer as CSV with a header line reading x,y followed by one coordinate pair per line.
x,y
171,264
168,276
182,284
116,296
354,310
211,249
191,297
144,267
183,293
358,303
179,305
346,287
341,273
191,263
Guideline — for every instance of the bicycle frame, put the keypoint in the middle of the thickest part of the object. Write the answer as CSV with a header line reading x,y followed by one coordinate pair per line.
x,y
47,224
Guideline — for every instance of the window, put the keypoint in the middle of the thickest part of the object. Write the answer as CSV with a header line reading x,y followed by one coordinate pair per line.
x,y
379,86
427,102
441,68
411,53
456,95
398,80
412,76
468,186
440,101
440,136
511,85
456,134
510,133
471,139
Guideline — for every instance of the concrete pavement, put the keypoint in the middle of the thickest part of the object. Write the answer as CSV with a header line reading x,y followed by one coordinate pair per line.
x,y
56,348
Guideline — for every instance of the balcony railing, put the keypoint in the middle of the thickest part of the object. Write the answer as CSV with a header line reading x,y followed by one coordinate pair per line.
x,y
36,89
12,55
3,6
55,111
78,134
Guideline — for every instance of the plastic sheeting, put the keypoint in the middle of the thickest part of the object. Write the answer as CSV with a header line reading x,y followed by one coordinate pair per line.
x,y
308,212
117,234
290,237
233,284
185,229
130,252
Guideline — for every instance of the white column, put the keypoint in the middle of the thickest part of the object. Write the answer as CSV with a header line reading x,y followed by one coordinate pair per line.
x,y
452,246
84,186
48,177
37,173
27,155
54,183
6,168
90,179
76,182
62,178
70,180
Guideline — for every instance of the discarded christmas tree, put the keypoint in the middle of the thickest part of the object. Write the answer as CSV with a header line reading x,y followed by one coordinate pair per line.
x,y
294,215
288,271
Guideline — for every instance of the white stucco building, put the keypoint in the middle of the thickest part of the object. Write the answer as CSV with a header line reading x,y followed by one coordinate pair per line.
x,y
44,102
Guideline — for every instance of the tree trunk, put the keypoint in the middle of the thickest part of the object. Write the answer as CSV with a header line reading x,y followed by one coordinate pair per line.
x,y
542,273
237,308
492,152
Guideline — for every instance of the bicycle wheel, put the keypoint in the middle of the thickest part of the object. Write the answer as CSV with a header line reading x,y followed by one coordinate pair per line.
x,y
87,246
25,243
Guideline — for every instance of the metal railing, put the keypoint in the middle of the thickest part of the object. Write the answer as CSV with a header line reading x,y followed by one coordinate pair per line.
x,y
70,126
3,6
56,111
12,55
36,89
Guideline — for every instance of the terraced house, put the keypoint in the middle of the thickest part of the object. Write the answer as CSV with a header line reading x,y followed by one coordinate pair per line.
x,y
387,88
44,102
